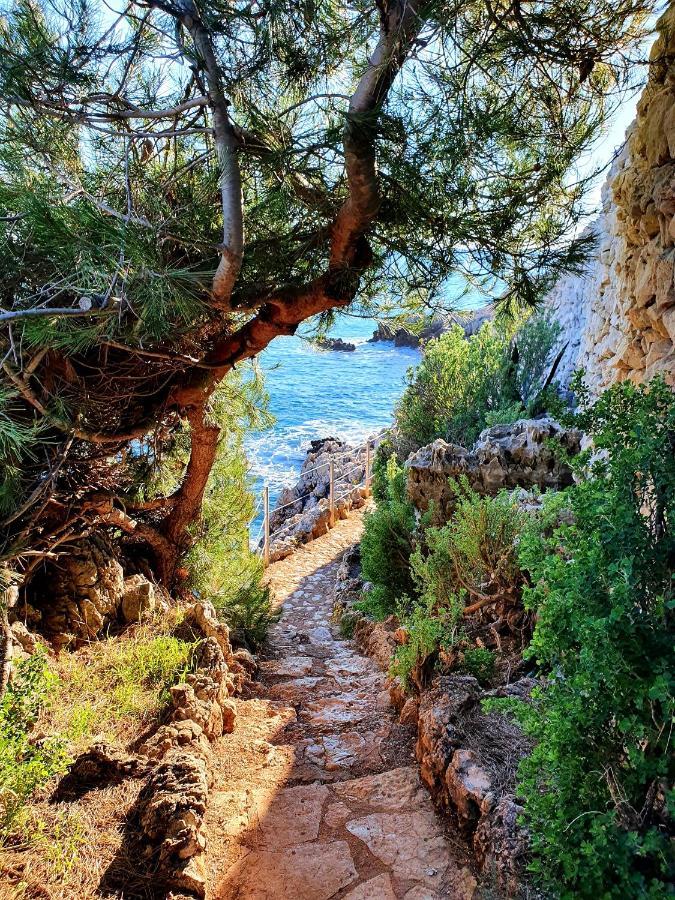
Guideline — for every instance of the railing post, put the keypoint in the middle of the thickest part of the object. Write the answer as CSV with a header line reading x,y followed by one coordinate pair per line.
x,y
367,467
331,492
266,526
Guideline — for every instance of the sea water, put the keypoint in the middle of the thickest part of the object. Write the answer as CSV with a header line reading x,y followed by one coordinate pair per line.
x,y
323,393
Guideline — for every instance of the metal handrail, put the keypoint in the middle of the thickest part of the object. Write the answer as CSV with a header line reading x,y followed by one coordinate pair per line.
x,y
364,480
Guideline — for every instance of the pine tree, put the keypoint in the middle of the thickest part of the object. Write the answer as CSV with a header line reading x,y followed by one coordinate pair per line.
x,y
179,185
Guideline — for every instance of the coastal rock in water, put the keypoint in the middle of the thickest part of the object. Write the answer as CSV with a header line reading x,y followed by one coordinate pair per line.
x,y
423,329
302,512
336,344
504,456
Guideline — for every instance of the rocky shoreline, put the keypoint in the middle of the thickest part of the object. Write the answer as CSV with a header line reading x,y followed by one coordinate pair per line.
x,y
302,512
422,329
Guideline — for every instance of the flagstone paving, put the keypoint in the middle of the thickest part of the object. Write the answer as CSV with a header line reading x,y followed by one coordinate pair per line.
x,y
316,793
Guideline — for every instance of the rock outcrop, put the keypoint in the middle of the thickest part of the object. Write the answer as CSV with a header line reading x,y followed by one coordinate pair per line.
x,y
423,329
302,512
77,599
504,457
166,823
87,592
138,598
468,760
619,315
336,344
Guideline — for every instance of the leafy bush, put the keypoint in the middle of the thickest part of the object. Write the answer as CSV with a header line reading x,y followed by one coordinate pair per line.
x,y
26,765
386,546
463,385
475,554
479,662
430,628
596,785
461,567
455,384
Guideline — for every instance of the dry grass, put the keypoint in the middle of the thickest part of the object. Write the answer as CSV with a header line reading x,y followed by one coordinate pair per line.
x,y
111,690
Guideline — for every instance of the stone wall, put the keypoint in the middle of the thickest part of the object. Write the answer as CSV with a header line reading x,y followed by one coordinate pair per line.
x,y
620,313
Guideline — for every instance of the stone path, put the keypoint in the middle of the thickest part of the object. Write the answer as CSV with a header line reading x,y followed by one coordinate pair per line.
x,y
317,794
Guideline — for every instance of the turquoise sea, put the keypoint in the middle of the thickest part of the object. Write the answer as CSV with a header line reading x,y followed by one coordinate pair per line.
x,y
321,393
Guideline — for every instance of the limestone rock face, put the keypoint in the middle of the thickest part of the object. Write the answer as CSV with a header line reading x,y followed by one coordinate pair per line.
x,y
618,316
80,597
504,456
138,598
170,811
453,751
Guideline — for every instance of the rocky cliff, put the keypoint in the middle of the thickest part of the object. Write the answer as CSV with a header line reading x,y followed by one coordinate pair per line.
x,y
620,313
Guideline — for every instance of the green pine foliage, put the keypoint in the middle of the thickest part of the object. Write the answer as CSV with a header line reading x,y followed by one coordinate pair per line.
x,y
598,785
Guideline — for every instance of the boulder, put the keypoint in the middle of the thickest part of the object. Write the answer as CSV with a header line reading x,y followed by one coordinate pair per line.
x,y
138,598
75,601
23,638
504,457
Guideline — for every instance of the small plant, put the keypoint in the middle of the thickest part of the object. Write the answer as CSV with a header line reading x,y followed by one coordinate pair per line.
x,y
475,554
26,765
60,840
384,452
479,662
386,546
429,628
249,614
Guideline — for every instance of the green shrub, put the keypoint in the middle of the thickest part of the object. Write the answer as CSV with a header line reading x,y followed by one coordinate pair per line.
x,y
603,592
386,545
385,450
475,554
430,628
456,383
249,614
463,385
26,765
479,662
